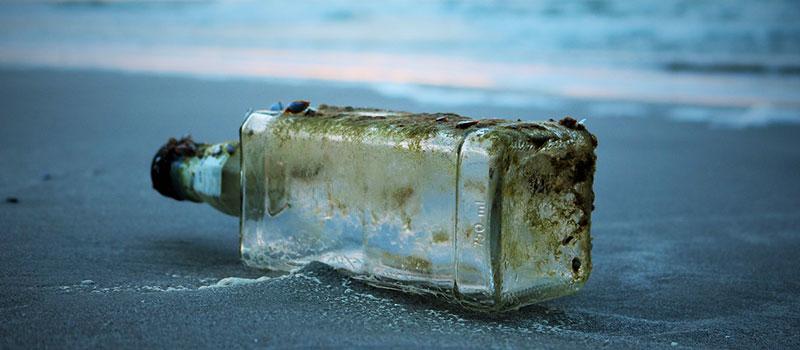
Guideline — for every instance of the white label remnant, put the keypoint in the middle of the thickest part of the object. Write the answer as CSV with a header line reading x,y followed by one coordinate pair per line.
x,y
207,179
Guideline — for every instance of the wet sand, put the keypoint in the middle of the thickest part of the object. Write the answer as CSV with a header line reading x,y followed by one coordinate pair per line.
x,y
696,233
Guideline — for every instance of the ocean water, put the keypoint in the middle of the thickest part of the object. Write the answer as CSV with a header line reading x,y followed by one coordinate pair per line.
x,y
733,62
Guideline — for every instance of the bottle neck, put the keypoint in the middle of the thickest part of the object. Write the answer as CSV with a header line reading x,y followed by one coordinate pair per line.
x,y
185,170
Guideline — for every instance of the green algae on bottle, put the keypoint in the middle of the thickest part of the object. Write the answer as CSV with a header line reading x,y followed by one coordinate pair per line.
x,y
493,214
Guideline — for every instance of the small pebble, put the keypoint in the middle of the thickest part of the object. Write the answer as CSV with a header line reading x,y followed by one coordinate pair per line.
x,y
297,106
674,344
12,200
87,282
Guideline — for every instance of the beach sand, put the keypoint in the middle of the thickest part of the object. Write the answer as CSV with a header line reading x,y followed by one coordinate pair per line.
x,y
696,233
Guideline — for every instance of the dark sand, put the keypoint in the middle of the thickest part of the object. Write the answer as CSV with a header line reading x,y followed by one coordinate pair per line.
x,y
696,234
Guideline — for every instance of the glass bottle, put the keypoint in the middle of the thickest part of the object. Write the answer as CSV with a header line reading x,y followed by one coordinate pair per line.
x,y
490,213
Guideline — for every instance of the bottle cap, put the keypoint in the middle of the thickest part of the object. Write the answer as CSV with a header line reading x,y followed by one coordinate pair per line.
x,y
161,168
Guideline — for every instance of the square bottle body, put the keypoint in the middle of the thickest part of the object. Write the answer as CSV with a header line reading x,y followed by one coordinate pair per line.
x,y
485,214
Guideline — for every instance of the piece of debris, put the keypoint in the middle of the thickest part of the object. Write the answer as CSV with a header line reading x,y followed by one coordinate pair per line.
x,y
297,106
466,123
277,106
571,123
